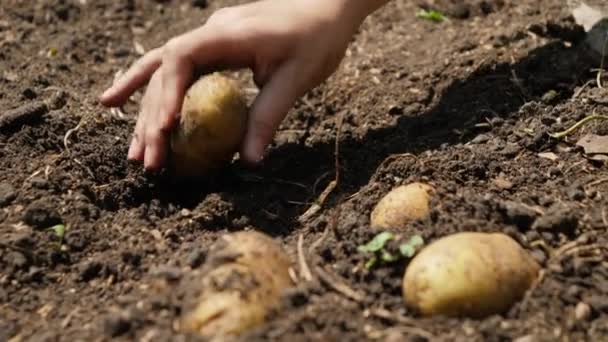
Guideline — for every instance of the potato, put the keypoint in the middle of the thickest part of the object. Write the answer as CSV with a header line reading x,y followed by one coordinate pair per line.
x,y
240,284
469,274
402,205
211,127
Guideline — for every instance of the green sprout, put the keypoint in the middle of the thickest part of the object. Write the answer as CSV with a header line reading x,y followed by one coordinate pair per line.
x,y
376,247
377,243
431,15
410,248
59,231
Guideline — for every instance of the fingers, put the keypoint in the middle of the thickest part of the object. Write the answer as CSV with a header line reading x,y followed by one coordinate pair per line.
x,y
136,149
154,132
268,110
132,80
146,115
176,76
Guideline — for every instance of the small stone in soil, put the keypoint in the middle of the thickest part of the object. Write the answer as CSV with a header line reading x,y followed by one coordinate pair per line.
x,y
41,214
17,259
576,192
90,270
526,338
39,183
598,303
169,273
518,214
196,257
116,325
35,274
7,194
132,259
582,312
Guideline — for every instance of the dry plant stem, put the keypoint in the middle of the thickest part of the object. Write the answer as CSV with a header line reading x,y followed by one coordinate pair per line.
x,y
319,241
86,168
71,131
535,285
582,88
560,135
597,182
543,245
387,315
600,71
304,269
582,249
338,286
332,185
569,249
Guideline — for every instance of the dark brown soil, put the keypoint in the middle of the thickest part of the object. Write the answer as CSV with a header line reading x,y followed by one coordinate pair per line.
x,y
465,97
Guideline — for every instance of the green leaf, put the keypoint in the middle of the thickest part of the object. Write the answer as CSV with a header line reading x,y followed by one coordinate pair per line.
x,y
431,15
410,248
388,257
59,231
370,263
377,243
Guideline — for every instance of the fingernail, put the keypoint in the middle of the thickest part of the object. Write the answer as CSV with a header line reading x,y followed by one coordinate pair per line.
x,y
254,152
105,95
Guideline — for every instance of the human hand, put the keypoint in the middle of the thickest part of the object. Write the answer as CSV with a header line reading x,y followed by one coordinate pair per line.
x,y
291,47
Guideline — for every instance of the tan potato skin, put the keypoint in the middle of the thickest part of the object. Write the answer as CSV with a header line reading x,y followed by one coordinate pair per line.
x,y
242,282
469,274
211,127
402,205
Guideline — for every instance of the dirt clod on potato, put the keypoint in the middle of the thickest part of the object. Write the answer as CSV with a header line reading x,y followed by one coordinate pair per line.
x,y
211,127
402,205
469,274
241,282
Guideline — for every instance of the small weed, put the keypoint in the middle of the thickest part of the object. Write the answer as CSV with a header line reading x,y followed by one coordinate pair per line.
x,y
430,15
376,247
59,231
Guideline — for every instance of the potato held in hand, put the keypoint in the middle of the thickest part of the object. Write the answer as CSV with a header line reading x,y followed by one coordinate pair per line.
x,y
469,274
211,128
402,205
242,282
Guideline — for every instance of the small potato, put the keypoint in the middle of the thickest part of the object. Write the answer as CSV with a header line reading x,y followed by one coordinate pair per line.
x,y
211,127
402,205
469,274
240,284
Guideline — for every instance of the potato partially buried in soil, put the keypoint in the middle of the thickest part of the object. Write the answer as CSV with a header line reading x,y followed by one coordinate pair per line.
x,y
239,285
211,127
402,205
469,274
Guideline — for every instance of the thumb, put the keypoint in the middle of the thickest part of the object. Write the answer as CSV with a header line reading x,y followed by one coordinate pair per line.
x,y
269,108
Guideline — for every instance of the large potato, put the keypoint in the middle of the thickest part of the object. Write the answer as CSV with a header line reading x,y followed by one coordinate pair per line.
x,y
211,127
402,205
469,274
239,285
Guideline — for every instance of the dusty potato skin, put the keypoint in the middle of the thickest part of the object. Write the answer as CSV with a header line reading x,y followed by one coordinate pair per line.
x,y
402,205
469,274
211,127
239,285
